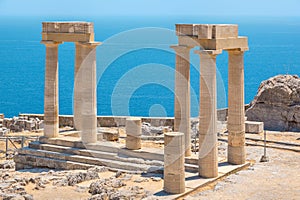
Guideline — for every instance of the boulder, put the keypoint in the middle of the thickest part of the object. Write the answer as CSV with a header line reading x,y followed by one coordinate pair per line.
x,y
277,104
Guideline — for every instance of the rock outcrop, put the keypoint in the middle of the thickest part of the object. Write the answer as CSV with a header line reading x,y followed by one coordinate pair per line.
x,y
277,104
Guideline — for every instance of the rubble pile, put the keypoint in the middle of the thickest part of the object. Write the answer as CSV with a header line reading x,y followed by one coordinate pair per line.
x,y
19,124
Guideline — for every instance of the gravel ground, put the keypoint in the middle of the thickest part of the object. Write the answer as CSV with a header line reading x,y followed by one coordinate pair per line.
x,y
277,179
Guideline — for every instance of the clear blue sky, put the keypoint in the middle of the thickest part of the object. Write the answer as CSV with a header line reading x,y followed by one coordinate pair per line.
x,y
149,7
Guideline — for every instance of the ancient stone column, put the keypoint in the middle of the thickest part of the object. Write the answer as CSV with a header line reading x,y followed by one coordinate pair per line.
x,y
236,108
85,86
134,133
208,144
77,90
174,176
51,120
182,95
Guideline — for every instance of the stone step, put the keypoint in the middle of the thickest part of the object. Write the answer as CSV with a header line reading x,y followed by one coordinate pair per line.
x,y
32,161
191,164
191,168
60,152
94,154
30,154
112,147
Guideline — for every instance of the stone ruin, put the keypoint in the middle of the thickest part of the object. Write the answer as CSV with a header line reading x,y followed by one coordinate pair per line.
x,y
19,124
54,150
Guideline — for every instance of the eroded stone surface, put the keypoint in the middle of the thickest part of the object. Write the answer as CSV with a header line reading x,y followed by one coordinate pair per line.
x,y
277,103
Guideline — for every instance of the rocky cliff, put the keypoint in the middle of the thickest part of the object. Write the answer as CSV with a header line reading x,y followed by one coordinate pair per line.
x,y
277,104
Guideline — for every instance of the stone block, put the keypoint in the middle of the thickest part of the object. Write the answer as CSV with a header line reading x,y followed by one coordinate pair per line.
x,y
134,126
224,31
226,44
68,27
208,31
19,166
60,164
184,29
133,143
173,183
254,127
203,31
109,134
174,176
68,37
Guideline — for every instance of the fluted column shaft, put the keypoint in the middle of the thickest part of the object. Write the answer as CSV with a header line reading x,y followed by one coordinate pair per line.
x,y
85,86
236,108
182,95
51,119
77,84
208,148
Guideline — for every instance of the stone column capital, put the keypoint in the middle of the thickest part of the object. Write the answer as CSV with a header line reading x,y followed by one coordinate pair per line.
x,y
181,48
89,44
237,51
211,53
49,43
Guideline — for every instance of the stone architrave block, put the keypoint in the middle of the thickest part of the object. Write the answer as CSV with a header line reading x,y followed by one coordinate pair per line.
x,y
203,31
68,27
184,29
224,31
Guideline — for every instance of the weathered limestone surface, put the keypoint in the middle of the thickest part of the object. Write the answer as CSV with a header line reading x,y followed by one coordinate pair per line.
x,y
211,36
277,104
68,31
254,127
85,98
236,108
85,110
208,150
174,176
134,133
51,90
212,40
182,122
19,124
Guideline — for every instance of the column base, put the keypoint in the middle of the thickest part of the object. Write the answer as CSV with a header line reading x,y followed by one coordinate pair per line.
x,y
236,155
208,165
51,130
174,183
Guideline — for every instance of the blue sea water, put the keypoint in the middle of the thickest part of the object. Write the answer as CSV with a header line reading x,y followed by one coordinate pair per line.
x,y
135,66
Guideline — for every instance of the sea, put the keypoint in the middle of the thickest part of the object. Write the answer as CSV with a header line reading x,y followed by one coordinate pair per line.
x,y
135,64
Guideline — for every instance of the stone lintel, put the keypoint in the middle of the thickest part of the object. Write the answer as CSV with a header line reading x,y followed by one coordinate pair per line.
x,y
68,27
180,47
215,44
225,44
184,29
50,42
208,31
208,52
90,44
238,50
69,37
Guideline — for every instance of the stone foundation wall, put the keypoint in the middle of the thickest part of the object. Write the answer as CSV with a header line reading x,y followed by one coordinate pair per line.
x,y
108,121
116,121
